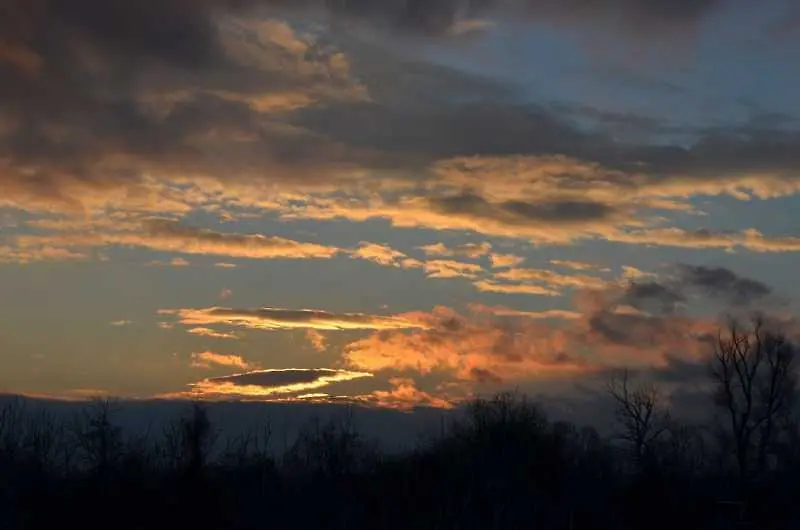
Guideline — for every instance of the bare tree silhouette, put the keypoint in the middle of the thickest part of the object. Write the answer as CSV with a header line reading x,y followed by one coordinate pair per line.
x,y
752,368
641,415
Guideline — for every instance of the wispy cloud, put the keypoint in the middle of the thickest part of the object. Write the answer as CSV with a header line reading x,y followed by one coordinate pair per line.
x,y
451,269
212,333
578,265
209,359
45,252
404,395
174,262
467,250
383,255
171,236
502,261
268,318
264,384
489,286
317,339
517,313
551,278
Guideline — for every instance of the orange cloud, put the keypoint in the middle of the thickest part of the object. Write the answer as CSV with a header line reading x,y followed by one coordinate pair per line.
x,y
268,318
45,252
265,384
317,339
451,269
551,278
170,236
382,255
212,333
405,395
502,261
538,315
468,350
467,250
209,359
174,262
578,265
488,286
750,239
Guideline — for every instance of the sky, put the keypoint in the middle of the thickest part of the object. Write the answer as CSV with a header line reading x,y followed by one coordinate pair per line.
x,y
390,203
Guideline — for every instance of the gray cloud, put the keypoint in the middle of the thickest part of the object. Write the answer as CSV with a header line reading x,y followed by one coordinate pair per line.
x,y
629,330
520,212
647,296
720,282
85,103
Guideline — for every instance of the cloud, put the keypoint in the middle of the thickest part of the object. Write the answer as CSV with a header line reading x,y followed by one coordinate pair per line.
x,y
222,109
488,286
465,349
723,283
174,262
171,236
467,250
267,318
405,395
103,103
382,255
317,339
652,295
225,293
640,19
503,261
120,323
451,269
212,333
550,278
749,239
578,265
265,384
644,324
209,359
516,313
14,254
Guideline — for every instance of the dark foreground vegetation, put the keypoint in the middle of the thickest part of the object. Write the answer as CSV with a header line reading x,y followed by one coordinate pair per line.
x,y
502,465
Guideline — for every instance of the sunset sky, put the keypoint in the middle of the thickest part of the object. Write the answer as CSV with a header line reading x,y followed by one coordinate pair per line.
x,y
387,202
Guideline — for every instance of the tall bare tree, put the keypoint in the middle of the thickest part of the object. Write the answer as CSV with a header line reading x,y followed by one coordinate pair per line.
x,y
640,414
754,385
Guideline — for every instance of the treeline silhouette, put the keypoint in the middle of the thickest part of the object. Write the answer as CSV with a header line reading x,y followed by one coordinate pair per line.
x,y
503,464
